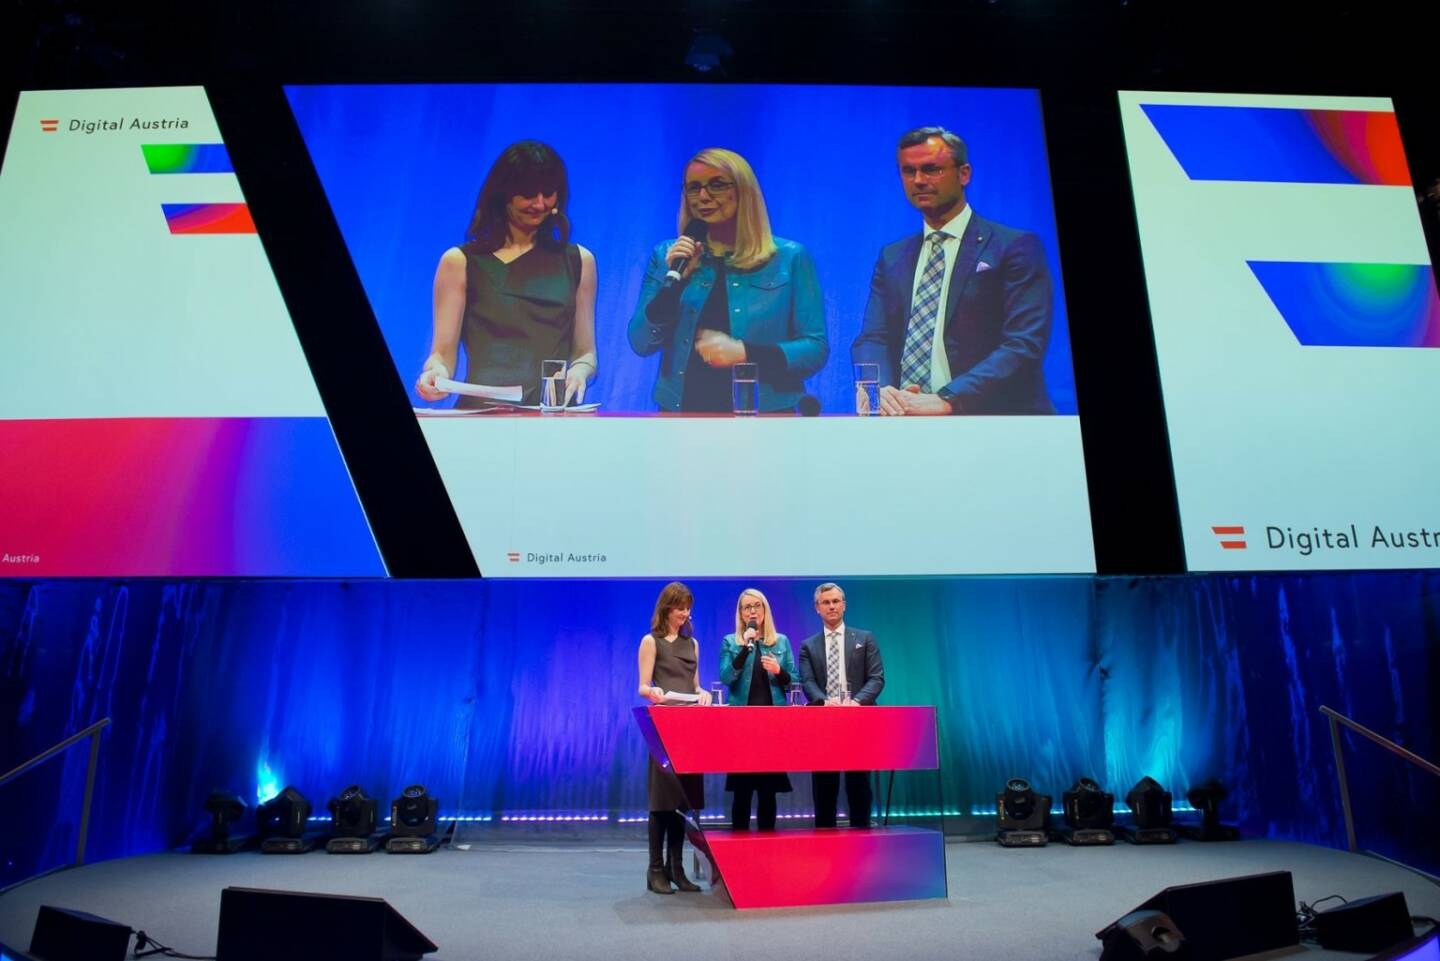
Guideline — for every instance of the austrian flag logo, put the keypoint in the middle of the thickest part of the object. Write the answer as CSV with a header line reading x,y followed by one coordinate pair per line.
x,y
49,126
1232,536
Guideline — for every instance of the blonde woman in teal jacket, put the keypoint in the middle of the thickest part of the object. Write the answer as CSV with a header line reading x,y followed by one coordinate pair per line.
x,y
757,665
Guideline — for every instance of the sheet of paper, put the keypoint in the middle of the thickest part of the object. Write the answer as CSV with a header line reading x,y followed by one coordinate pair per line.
x,y
509,394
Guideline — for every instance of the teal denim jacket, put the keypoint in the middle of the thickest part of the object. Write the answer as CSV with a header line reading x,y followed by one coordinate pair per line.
x,y
777,303
739,681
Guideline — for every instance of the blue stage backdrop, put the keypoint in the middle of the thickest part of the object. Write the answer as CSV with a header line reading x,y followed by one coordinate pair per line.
x,y
512,698
402,166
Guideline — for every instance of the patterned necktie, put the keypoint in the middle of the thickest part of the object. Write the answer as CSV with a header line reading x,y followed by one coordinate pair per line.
x,y
832,664
920,334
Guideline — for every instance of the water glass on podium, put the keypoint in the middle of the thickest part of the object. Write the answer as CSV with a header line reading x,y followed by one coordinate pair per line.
x,y
717,694
552,386
796,695
745,386
867,390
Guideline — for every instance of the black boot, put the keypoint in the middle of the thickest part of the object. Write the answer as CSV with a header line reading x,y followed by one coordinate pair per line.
x,y
656,879
676,835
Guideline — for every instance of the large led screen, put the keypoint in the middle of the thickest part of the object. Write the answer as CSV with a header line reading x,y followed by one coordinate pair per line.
x,y
816,257
1296,322
157,416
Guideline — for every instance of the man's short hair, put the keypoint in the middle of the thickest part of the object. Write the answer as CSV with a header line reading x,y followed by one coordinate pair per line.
x,y
828,586
921,134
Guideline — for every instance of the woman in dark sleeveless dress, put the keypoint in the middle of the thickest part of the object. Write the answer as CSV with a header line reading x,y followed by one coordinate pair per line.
x,y
669,661
517,291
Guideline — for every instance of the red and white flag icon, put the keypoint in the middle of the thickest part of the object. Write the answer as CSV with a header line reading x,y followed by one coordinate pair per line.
x,y
49,126
1232,536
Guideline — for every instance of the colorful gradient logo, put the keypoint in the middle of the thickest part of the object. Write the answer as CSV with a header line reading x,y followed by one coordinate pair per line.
x,y
1283,144
208,218
1324,304
1354,305
197,158
187,158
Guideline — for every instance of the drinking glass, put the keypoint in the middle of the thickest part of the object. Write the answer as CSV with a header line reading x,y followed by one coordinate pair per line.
x,y
552,386
745,382
867,390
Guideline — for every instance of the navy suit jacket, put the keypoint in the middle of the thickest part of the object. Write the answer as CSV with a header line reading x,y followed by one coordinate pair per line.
x,y
997,319
864,671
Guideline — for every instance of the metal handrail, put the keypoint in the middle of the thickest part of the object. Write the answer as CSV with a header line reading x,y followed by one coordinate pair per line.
x,y
92,732
1336,719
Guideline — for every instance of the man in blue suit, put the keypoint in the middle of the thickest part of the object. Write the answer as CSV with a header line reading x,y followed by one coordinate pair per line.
x,y
836,660
959,315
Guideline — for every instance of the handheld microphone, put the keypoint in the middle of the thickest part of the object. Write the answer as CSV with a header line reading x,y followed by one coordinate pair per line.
x,y
696,230
753,625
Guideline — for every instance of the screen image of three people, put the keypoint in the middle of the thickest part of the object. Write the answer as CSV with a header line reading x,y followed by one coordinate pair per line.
x,y
957,320
838,666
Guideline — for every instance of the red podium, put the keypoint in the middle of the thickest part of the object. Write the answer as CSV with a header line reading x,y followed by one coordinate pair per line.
x,y
771,869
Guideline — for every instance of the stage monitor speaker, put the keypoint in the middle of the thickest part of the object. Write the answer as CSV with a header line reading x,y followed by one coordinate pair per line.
x,y
1230,917
259,924
1365,924
65,935
1144,936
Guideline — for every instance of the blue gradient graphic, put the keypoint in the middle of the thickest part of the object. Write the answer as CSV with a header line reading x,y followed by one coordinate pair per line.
x,y
1354,305
1281,144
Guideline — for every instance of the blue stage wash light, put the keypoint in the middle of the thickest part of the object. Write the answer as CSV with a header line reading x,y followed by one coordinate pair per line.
x,y
284,815
267,783
414,813
1022,815
224,809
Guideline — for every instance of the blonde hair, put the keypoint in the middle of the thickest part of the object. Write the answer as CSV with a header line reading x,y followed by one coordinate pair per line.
x,y
754,244
767,628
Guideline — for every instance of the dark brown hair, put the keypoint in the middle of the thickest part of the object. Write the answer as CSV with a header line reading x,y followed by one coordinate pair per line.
x,y
673,596
524,169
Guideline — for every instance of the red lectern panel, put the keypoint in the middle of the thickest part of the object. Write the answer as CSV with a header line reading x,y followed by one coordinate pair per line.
x,y
832,866
710,740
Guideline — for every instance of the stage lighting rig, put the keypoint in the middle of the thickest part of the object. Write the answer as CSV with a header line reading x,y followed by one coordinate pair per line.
x,y
1022,815
352,822
1089,814
281,821
412,822
1150,806
224,810
1205,798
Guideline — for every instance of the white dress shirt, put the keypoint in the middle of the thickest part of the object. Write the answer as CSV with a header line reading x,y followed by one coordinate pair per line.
x,y
955,227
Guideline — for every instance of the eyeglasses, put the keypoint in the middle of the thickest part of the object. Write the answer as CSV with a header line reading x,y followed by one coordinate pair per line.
x,y
715,187
752,606
927,171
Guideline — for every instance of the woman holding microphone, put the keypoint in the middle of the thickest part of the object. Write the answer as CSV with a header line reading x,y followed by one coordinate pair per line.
x,y
756,664
728,292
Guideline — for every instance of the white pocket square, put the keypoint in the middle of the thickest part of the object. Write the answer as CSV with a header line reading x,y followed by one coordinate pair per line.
x,y
858,646
981,267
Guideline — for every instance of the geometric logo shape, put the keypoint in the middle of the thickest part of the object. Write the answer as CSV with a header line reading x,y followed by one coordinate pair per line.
x,y
50,126
187,158
1283,144
1228,534
1354,305
208,218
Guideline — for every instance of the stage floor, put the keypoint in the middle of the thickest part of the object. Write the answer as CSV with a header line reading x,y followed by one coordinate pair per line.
x,y
587,900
